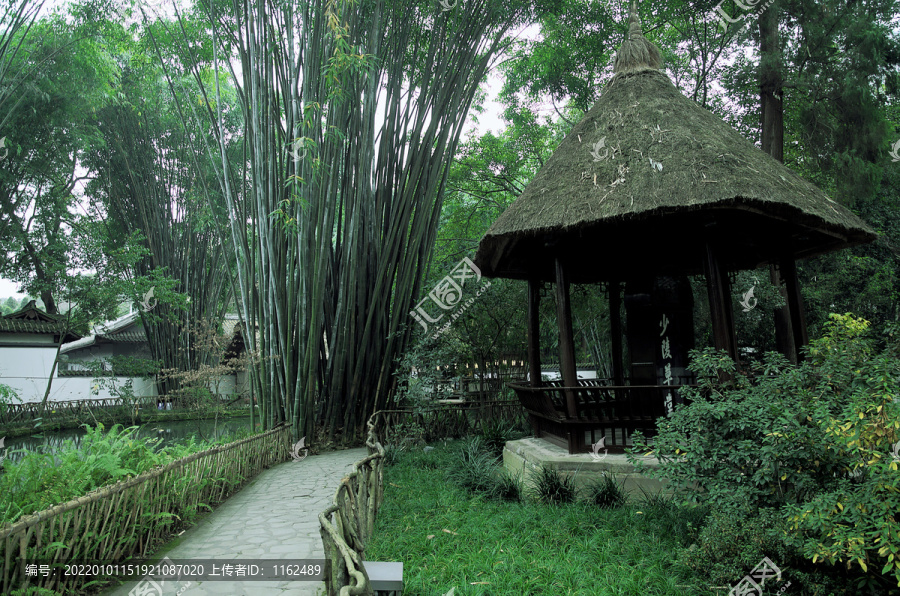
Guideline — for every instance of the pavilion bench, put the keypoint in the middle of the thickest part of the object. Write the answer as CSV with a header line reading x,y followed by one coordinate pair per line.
x,y
601,410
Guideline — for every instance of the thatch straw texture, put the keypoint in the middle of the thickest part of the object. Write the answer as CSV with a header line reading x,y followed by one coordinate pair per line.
x,y
648,165
636,53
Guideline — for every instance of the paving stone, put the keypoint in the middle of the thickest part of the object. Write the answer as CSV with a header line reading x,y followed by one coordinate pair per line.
x,y
274,517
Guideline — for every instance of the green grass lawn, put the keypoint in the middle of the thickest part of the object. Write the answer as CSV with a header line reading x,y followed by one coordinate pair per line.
x,y
447,538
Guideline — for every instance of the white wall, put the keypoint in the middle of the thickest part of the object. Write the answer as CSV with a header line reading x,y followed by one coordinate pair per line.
x,y
72,388
81,358
26,370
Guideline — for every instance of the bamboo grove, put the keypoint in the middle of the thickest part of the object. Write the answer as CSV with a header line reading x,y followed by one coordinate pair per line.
x,y
149,183
351,112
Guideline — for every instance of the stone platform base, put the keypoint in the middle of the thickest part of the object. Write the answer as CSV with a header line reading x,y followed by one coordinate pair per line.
x,y
526,456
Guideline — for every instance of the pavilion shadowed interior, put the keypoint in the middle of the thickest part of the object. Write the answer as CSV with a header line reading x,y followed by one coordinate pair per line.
x,y
647,189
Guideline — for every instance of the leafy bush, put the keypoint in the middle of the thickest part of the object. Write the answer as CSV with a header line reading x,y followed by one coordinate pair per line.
x,y
474,469
422,369
8,395
497,432
41,479
391,455
408,434
811,441
727,440
855,521
196,397
731,543
508,487
607,492
552,487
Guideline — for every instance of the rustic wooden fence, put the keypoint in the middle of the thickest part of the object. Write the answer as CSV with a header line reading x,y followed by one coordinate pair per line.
x,y
129,518
487,382
447,421
81,409
349,522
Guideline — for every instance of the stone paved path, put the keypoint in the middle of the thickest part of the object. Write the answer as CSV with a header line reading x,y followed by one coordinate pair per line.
x,y
275,516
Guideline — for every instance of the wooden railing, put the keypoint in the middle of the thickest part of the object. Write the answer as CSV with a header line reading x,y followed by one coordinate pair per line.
x,y
612,412
82,409
128,519
349,522
446,421
488,383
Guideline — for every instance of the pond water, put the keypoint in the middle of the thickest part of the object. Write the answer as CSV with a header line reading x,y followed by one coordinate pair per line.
x,y
169,431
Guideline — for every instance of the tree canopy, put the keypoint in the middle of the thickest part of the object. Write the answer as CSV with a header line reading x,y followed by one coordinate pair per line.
x,y
307,166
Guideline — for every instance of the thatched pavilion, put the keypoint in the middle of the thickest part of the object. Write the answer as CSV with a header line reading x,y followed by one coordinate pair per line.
x,y
650,187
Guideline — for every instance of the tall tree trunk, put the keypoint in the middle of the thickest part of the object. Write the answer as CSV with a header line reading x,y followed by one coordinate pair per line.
x,y
771,94
771,85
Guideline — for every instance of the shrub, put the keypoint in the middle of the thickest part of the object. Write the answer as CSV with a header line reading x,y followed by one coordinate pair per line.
x,y
391,455
552,487
8,395
727,441
731,543
607,492
474,469
497,432
812,441
196,397
422,369
407,435
41,479
508,487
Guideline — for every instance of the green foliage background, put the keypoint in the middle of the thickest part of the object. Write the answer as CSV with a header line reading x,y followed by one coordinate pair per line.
x,y
801,452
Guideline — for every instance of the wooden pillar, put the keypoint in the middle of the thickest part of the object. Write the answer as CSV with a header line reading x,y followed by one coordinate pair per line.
x,y
566,337
615,331
784,337
788,268
719,288
534,332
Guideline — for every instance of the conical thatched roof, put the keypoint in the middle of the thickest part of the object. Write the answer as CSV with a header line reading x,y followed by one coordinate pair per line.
x,y
645,178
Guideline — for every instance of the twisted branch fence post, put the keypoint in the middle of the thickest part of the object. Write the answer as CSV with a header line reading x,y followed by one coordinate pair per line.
x,y
129,518
349,523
